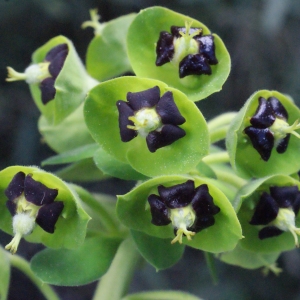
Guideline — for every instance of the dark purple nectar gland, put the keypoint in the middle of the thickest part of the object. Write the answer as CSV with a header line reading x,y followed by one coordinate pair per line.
x,y
153,117
187,48
30,202
187,208
277,212
44,73
270,128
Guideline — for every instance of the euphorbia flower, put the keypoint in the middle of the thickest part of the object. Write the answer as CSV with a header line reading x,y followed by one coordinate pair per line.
x,y
30,202
189,209
188,47
277,211
44,73
151,116
270,128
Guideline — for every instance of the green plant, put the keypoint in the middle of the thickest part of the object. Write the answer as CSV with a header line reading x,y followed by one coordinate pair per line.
x,y
146,127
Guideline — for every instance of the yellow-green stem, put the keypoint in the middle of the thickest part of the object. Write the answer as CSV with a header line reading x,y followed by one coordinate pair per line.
x,y
22,265
114,284
230,178
220,121
217,158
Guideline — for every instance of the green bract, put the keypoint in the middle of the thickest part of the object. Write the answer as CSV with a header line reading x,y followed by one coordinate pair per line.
x,y
244,158
71,85
246,201
70,229
133,210
142,38
101,115
106,55
69,134
249,259
109,165
154,250
60,266
161,295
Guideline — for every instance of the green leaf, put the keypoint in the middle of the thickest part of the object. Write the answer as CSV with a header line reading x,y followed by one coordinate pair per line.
x,y
161,295
71,133
101,117
113,167
158,252
86,151
244,158
248,259
81,171
71,85
142,37
4,274
134,212
246,201
106,55
71,225
76,267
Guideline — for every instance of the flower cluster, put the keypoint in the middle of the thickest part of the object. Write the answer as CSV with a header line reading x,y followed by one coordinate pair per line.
x,y
187,46
189,209
276,211
31,202
44,73
270,128
153,117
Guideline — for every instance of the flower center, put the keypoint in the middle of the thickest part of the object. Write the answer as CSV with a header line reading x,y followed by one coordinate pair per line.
x,y
32,74
182,218
145,121
280,128
23,222
186,44
94,22
285,221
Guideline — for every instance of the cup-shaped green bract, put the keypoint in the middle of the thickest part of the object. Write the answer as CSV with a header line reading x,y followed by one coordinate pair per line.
x,y
110,166
69,134
69,228
250,259
221,234
109,127
261,139
268,212
65,91
106,54
154,51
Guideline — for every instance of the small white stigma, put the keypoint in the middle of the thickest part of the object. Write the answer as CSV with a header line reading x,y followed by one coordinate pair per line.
x,y
186,44
182,218
273,268
285,221
280,128
23,224
33,74
94,22
145,121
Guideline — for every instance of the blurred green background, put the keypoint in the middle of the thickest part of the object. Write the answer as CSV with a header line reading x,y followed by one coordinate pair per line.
x,y
263,39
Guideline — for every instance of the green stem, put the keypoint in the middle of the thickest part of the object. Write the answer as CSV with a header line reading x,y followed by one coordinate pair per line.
x,y
22,265
230,178
114,284
218,134
210,261
220,121
217,158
